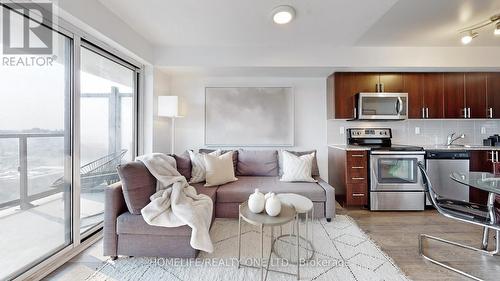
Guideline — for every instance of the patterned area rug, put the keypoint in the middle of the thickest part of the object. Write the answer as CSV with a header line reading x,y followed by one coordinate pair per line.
x,y
342,252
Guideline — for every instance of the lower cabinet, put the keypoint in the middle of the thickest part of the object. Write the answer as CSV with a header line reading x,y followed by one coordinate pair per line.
x,y
481,161
348,174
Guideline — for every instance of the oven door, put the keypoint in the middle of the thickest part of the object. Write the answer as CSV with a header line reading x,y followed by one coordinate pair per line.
x,y
395,172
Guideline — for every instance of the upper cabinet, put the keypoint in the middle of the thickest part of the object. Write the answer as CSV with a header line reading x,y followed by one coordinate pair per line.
x,y
454,95
413,84
493,95
475,95
431,95
347,84
391,82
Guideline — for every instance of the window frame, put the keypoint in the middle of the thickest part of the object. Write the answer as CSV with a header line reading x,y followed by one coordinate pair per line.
x,y
79,39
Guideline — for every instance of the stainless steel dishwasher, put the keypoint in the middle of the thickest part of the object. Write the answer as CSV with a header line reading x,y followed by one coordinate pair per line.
x,y
440,164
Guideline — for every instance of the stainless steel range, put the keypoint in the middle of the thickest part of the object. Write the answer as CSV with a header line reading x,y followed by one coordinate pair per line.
x,y
395,182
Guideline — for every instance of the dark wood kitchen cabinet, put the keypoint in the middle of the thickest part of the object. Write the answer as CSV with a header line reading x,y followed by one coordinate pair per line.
x,y
366,82
344,90
475,95
348,84
433,95
425,95
348,172
481,161
454,95
413,84
493,95
391,82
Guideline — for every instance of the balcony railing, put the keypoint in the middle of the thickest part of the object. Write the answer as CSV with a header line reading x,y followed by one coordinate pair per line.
x,y
25,199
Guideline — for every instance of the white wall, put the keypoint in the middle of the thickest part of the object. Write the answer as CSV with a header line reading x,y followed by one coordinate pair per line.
x,y
95,19
310,110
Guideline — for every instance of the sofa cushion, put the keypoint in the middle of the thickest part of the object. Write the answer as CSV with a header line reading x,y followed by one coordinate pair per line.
x,y
209,191
239,191
315,169
183,165
138,185
257,163
235,154
128,223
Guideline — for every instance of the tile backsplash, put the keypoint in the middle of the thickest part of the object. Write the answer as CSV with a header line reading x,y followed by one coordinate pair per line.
x,y
419,132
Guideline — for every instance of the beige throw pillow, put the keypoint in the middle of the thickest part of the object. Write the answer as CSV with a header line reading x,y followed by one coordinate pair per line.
x,y
219,169
198,169
297,168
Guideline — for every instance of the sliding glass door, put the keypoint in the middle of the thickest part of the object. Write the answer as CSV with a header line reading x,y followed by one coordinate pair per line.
x,y
67,119
35,158
106,128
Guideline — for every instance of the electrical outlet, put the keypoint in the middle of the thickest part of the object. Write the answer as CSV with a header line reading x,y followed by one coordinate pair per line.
x,y
342,130
483,130
417,130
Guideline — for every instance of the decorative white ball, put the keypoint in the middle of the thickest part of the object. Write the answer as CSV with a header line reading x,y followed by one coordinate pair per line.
x,y
256,202
273,205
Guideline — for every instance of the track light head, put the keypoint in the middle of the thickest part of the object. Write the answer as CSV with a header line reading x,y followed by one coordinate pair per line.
x,y
468,36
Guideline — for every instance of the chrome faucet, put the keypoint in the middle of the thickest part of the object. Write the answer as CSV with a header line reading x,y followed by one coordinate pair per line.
x,y
450,139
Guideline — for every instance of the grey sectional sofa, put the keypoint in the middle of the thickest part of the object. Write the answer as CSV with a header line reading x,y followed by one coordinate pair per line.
x,y
126,233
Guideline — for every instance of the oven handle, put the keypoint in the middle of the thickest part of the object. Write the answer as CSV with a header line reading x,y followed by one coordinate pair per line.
x,y
397,152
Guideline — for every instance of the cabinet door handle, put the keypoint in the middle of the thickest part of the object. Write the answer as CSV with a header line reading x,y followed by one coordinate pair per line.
x,y
496,156
464,112
490,112
357,155
358,194
468,112
423,112
381,87
358,178
355,112
377,87
427,112
357,167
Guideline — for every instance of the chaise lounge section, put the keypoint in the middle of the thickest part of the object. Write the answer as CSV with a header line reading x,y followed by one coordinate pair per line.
x,y
126,233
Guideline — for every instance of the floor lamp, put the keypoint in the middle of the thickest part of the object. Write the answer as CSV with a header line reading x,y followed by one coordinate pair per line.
x,y
168,107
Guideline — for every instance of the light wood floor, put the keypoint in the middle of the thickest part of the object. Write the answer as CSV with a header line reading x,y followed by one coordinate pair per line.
x,y
397,234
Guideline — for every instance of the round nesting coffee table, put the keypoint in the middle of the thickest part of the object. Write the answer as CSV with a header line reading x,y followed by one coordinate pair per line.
x,y
286,215
302,205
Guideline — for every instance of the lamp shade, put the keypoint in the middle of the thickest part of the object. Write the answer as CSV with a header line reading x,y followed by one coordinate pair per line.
x,y
168,106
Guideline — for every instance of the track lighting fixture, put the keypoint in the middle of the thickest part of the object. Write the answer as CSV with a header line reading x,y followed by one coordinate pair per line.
x,y
470,33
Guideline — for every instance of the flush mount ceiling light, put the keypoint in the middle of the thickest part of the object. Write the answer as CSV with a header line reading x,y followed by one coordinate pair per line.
x,y
283,14
470,33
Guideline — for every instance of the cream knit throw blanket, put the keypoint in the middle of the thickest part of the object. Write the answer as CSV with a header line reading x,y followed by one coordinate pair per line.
x,y
176,203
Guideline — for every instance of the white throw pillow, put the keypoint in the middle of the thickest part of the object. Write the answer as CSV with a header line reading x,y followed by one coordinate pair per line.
x,y
198,169
297,168
219,169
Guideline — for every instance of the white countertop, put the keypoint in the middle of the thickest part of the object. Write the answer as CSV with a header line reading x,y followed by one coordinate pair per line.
x,y
459,147
426,147
349,147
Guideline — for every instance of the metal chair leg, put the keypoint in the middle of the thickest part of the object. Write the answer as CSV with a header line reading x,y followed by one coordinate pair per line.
x,y
421,252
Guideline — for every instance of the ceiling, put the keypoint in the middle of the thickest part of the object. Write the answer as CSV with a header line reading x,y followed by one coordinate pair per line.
x,y
339,23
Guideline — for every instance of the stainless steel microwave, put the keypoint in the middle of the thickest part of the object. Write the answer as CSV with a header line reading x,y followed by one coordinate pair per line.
x,y
381,106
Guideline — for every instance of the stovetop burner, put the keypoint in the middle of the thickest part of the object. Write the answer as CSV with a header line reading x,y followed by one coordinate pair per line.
x,y
378,139
397,147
